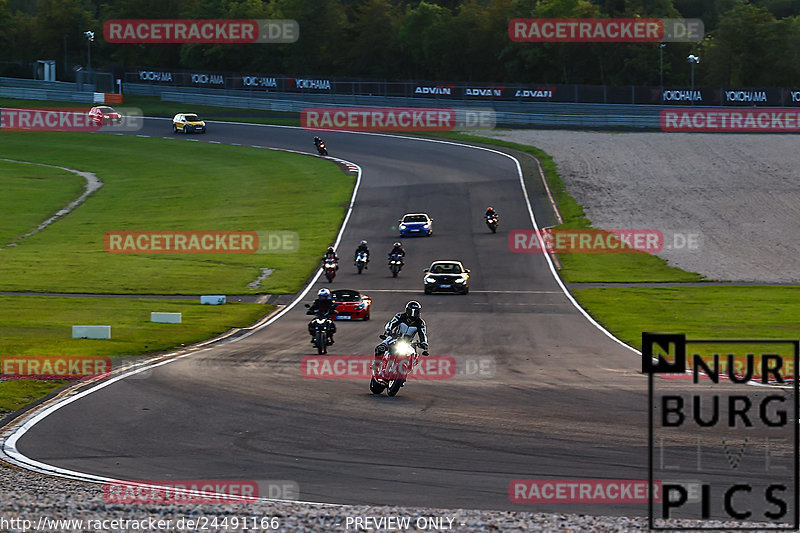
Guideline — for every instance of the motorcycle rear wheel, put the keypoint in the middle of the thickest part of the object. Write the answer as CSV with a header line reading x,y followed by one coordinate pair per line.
x,y
394,386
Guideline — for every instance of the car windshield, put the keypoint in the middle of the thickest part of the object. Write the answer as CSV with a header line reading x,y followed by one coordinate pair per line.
x,y
346,296
415,218
446,268
192,118
106,110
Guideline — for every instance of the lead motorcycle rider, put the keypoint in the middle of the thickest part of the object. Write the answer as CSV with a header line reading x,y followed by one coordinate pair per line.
x,y
323,306
405,324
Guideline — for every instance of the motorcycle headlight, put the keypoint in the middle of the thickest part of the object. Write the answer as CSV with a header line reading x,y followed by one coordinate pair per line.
x,y
430,280
404,348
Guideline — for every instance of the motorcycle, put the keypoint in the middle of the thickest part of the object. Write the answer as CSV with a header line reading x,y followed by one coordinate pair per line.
x,y
319,327
361,261
330,267
321,148
391,372
492,221
395,264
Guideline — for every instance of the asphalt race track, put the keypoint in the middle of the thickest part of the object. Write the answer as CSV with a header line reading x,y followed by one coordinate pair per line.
x,y
566,401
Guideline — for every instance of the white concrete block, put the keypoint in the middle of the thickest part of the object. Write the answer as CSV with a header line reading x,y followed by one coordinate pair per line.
x,y
166,318
91,332
213,300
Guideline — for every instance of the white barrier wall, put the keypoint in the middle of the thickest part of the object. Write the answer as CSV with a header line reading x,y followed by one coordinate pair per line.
x,y
213,300
166,318
91,332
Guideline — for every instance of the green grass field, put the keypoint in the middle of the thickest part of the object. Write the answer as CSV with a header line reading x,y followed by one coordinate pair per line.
x,y
712,312
42,325
157,184
30,194
149,184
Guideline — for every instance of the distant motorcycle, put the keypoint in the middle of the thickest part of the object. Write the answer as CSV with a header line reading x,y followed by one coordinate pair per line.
x,y
320,326
321,148
391,372
395,264
330,267
492,221
361,261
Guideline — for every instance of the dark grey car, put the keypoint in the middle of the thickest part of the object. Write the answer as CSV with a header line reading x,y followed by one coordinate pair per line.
x,y
446,276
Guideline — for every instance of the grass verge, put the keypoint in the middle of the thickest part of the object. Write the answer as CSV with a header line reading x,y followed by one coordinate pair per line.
x,y
712,312
30,194
164,184
41,325
18,393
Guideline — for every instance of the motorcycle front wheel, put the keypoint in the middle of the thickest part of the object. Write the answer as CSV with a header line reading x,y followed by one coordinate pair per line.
x,y
321,341
375,387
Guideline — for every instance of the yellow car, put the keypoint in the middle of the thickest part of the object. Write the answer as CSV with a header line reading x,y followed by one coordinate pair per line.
x,y
187,123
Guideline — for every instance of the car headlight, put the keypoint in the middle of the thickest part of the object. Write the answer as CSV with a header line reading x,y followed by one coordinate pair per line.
x,y
402,226
430,280
360,306
461,279
427,225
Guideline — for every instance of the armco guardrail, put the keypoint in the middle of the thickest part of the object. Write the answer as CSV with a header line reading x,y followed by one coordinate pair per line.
x,y
44,90
38,84
46,94
519,114
529,114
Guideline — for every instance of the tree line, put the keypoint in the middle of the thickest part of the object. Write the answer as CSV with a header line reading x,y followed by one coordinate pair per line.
x,y
747,43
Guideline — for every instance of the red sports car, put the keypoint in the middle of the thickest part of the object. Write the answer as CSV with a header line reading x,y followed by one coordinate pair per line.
x,y
104,115
351,305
